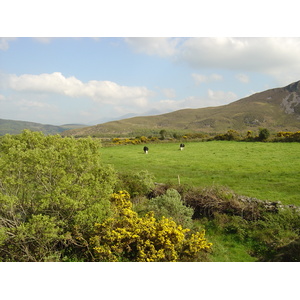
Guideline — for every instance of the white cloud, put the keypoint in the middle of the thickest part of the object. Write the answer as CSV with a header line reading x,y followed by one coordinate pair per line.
x,y
2,98
215,77
221,97
213,98
154,45
242,78
43,40
29,104
4,43
278,57
169,104
169,93
275,56
104,92
199,78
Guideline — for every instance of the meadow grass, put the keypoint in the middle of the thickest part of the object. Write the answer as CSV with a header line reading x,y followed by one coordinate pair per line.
x,y
267,171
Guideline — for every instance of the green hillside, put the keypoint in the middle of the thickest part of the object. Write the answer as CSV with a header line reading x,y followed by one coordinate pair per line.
x,y
16,127
277,109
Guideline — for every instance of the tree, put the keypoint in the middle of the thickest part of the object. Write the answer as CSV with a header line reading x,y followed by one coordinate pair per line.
x,y
49,185
264,134
163,133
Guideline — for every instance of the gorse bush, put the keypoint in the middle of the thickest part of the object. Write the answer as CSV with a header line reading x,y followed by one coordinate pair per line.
x,y
127,237
231,135
287,136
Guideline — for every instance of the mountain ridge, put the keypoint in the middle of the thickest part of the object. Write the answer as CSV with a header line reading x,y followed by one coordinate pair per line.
x,y
277,109
16,127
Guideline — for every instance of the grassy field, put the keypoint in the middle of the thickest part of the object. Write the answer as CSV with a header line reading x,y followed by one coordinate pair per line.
x,y
268,171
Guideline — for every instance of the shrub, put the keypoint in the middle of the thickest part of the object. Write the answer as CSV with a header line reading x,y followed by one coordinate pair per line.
x,y
264,134
231,135
275,231
127,237
137,184
288,136
288,253
35,240
48,185
170,205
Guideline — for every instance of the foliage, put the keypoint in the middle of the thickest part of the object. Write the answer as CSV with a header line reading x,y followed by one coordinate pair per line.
x,y
288,253
264,134
170,205
273,237
136,183
163,134
246,226
38,239
287,136
49,184
231,135
274,231
127,237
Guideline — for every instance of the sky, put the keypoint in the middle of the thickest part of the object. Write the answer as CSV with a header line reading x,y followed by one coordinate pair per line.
x,y
73,77
90,80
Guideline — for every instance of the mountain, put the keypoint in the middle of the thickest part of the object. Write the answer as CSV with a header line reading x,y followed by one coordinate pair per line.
x,y
277,109
16,127
129,115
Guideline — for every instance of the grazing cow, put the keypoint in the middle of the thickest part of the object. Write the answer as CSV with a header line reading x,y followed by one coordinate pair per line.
x,y
146,149
182,146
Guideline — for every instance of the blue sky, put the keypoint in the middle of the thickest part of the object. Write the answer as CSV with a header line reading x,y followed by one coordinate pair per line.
x,y
90,80
145,59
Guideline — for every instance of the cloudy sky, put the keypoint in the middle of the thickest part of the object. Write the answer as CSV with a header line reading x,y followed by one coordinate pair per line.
x,y
59,80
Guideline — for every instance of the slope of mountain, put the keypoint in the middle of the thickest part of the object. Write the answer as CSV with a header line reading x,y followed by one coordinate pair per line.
x,y
276,109
16,127
130,115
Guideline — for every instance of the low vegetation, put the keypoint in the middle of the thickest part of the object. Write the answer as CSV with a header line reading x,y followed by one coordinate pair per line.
x,y
67,199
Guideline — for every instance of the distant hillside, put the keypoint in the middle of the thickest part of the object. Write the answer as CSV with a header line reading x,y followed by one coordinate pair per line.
x,y
16,127
130,115
276,109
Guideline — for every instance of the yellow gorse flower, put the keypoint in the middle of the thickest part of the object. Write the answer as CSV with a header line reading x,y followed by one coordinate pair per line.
x,y
128,237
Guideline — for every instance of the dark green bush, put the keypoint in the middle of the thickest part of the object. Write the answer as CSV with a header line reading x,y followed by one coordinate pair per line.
x,y
264,134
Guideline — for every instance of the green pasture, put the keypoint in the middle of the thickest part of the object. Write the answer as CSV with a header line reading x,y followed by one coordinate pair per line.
x,y
267,171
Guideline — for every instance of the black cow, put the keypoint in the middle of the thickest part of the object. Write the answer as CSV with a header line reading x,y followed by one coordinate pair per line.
x,y
146,149
182,146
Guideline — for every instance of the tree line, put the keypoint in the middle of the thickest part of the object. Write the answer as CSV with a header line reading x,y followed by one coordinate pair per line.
x,y
263,135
